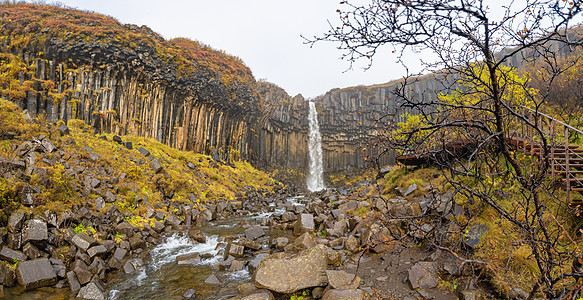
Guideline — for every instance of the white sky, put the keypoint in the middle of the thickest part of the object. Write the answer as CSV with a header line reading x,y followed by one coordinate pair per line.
x,y
264,33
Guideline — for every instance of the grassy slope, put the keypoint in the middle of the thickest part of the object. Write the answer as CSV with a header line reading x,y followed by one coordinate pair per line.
x,y
510,258
63,189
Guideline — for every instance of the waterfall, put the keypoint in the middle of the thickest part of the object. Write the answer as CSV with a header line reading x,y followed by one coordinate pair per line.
x,y
315,179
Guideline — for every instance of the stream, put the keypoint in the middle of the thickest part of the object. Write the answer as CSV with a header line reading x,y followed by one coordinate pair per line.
x,y
162,278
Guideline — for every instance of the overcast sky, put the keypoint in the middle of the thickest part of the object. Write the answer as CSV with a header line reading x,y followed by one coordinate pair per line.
x,y
264,33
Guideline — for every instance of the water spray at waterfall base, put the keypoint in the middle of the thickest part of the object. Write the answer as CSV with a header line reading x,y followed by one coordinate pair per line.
x,y
315,180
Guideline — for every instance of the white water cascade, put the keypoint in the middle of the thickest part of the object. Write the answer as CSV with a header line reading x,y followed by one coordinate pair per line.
x,y
315,179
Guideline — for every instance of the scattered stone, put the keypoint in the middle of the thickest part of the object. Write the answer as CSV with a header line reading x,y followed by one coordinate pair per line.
x,y
35,231
234,249
474,235
341,280
305,223
412,188
6,275
197,235
423,275
190,294
83,241
128,145
144,152
155,165
91,291
133,265
254,232
250,244
63,129
99,203
280,243
254,263
31,251
96,250
384,171
305,241
286,276
73,281
213,280
188,259
236,266
35,273
117,139
16,220
351,244
26,195
9,255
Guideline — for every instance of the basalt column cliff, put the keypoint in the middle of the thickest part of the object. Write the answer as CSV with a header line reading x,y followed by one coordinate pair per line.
x,y
65,64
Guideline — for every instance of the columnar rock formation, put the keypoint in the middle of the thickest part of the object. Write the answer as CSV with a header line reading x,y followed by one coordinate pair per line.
x,y
66,64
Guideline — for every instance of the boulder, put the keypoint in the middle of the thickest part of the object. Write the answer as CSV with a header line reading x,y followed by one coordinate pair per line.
x,y
128,145
474,235
143,151
234,249
97,250
73,281
11,256
155,165
188,259
63,129
303,242
6,275
16,220
35,273
254,263
345,295
305,223
423,275
280,243
254,232
236,266
197,235
35,231
250,244
190,294
213,280
83,241
117,139
288,275
341,280
92,291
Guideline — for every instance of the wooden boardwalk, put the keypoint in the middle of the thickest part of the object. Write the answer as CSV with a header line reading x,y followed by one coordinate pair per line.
x,y
566,170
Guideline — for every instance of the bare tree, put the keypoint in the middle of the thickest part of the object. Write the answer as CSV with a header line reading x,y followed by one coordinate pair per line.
x,y
484,122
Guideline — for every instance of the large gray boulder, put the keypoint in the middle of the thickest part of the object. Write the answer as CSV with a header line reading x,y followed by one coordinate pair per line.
x,y
35,273
6,275
254,232
92,291
288,275
11,256
305,223
83,241
16,220
341,280
35,231
423,275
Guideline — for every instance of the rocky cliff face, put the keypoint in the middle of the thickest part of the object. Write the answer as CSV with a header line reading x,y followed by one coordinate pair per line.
x,y
66,64
351,118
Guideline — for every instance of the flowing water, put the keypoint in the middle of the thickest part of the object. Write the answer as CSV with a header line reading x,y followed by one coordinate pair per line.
x,y
315,180
162,278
